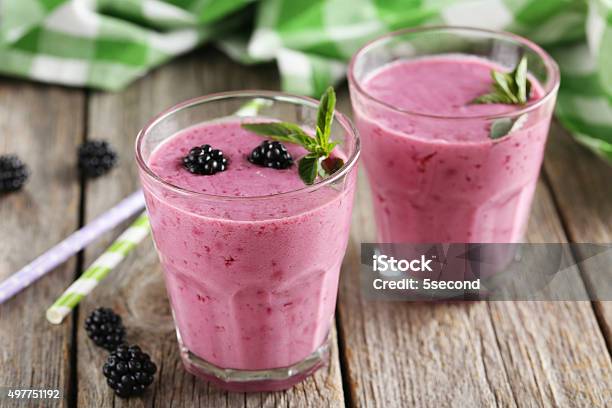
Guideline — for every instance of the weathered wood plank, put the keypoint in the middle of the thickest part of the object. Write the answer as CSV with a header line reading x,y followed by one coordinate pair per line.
x,y
582,185
553,352
469,354
43,126
136,289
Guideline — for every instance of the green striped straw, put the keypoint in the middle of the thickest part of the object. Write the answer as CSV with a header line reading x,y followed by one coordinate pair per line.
x,y
252,107
101,267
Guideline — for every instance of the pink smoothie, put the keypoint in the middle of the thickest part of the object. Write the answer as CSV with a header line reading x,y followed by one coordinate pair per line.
x,y
252,281
439,179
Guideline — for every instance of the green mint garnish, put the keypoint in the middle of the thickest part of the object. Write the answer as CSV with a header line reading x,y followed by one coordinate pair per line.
x,y
512,88
308,167
502,127
319,147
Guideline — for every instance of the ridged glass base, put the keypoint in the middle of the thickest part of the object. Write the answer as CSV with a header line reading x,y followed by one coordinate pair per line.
x,y
274,379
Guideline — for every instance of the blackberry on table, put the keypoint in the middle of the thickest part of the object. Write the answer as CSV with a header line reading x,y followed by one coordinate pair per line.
x,y
271,154
105,328
205,160
129,371
13,173
96,158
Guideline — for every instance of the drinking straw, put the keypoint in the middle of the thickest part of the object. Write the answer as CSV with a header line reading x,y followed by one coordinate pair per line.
x,y
98,270
71,245
252,107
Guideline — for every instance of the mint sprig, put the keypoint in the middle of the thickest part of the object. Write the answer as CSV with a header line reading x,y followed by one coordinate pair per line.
x,y
319,146
512,88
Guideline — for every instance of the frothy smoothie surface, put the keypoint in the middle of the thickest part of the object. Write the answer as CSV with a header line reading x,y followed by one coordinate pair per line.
x,y
442,86
241,179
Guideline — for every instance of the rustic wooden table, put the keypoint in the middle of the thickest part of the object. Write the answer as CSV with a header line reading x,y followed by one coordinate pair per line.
x,y
384,354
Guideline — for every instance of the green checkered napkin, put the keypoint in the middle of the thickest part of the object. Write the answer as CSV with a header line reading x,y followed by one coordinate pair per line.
x,y
108,43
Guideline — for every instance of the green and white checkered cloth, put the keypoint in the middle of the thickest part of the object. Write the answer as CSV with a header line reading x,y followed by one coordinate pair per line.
x,y
108,43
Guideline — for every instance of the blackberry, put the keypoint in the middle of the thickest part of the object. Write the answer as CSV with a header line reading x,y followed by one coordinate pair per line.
x,y
13,173
271,154
129,371
205,160
105,328
96,157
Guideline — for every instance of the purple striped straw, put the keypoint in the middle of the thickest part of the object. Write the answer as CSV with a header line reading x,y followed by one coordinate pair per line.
x,y
60,253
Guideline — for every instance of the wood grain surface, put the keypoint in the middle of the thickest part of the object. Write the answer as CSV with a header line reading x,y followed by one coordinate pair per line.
x,y
385,354
43,126
582,185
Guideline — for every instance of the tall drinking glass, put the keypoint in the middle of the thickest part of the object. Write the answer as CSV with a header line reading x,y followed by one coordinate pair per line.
x,y
252,280
439,167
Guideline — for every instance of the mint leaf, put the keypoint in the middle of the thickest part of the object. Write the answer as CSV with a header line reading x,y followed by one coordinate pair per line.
x,y
509,88
325,116
283,132
521,81
274,129
503,84
309,143
318,146
500,128
504,126
308,167
492,97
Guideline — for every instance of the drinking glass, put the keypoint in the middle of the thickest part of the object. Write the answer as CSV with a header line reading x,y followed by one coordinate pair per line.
x,y
252,281
431,189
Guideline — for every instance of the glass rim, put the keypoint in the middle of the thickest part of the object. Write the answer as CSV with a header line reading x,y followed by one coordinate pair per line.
x,y
550,88
250,93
